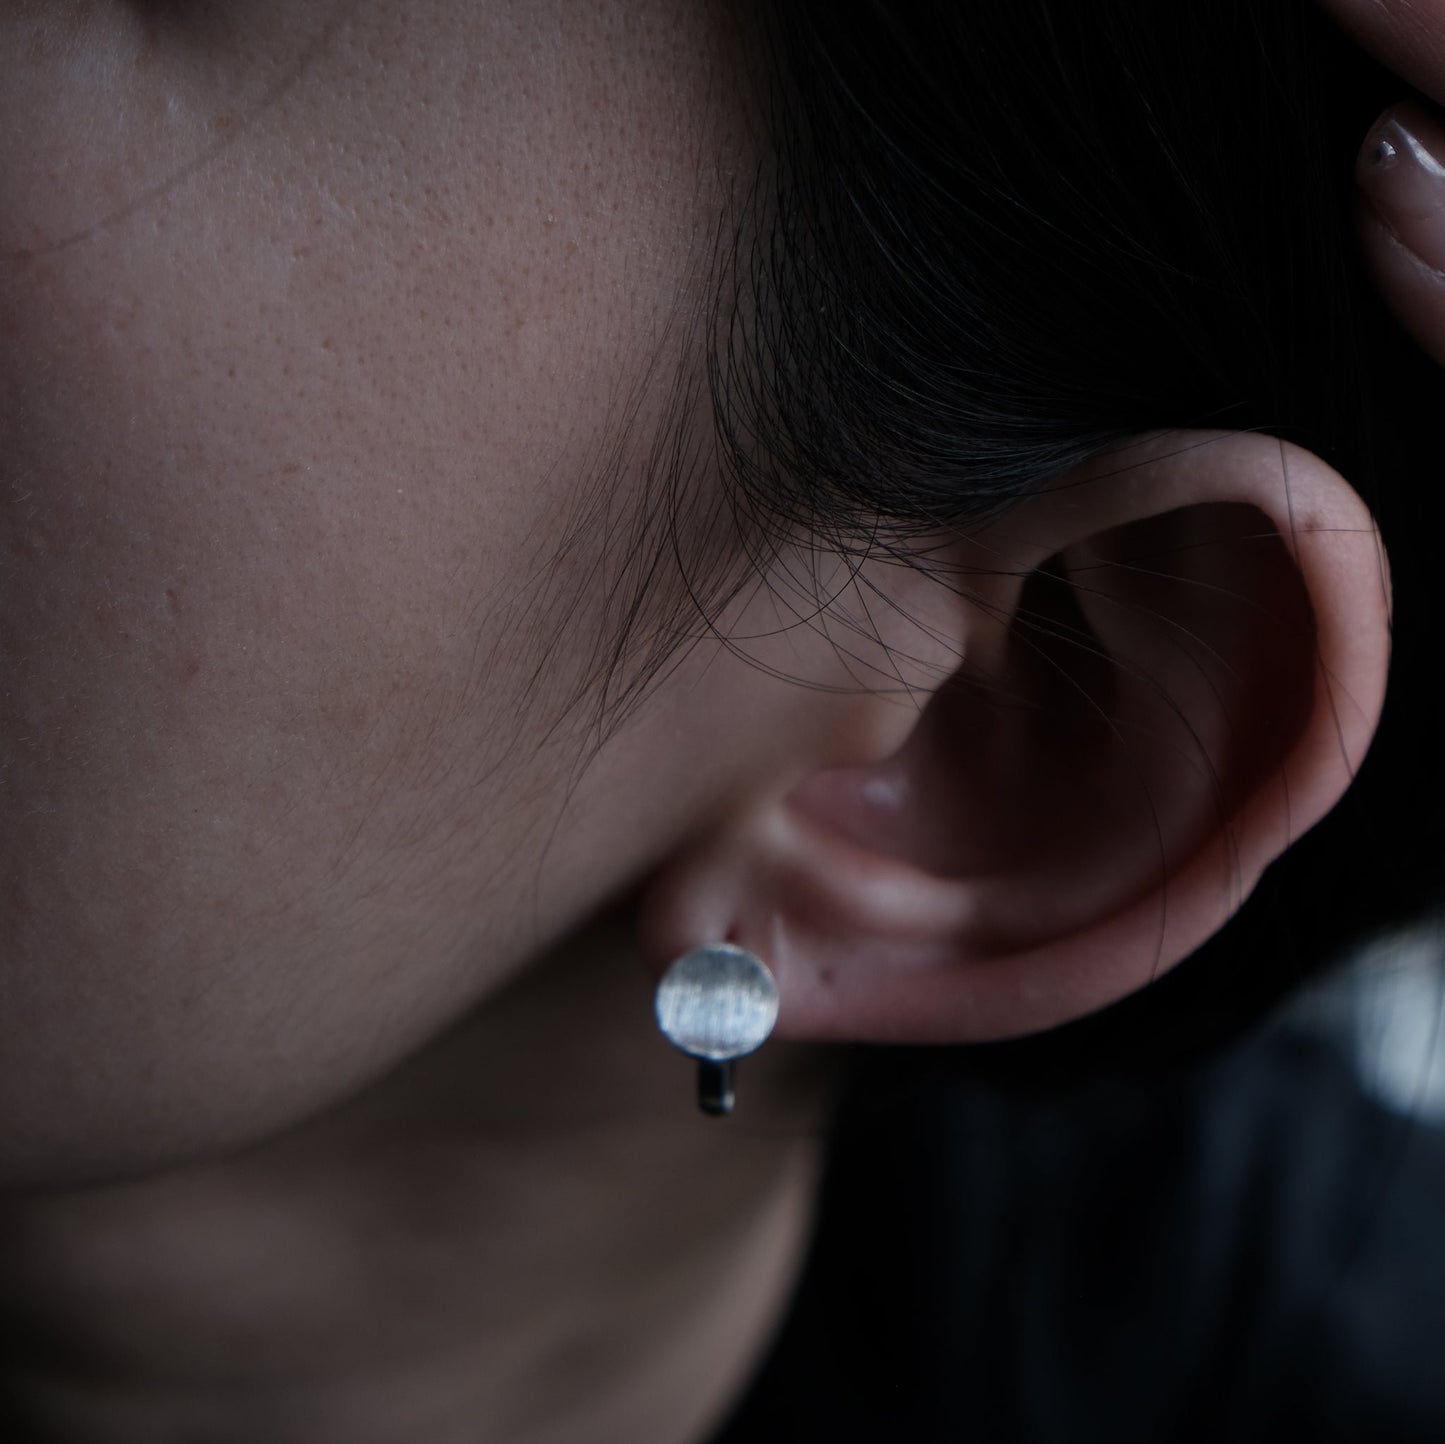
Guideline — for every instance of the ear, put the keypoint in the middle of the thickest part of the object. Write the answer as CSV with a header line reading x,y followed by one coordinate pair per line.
x,y
1166,668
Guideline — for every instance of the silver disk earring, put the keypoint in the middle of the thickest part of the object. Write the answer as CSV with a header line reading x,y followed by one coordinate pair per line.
x,y
716,1003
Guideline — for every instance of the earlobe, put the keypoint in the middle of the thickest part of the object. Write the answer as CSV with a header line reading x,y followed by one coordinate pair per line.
x,y
1190,674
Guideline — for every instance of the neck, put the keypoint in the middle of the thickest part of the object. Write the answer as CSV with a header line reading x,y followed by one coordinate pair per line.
x,y
527,1231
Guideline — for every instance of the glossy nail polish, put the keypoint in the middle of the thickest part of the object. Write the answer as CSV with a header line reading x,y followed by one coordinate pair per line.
x,y
1401,170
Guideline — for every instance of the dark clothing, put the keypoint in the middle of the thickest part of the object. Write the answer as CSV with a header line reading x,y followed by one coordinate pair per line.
x,y
1251,1250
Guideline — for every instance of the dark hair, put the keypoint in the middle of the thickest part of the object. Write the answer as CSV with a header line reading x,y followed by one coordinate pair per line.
x,y
1004,236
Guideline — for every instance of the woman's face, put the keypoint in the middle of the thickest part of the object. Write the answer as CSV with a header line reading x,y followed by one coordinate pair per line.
x,y
320,324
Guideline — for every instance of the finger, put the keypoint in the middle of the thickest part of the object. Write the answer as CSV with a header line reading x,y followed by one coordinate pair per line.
x,y
1401,175
1407,35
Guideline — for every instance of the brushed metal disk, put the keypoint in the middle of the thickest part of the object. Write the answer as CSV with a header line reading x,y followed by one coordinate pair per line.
x,y
717,1003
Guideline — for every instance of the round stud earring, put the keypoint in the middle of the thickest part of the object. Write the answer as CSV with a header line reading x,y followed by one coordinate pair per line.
x,y
716,1003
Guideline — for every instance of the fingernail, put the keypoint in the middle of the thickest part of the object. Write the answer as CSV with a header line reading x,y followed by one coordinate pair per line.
x,y
1402,171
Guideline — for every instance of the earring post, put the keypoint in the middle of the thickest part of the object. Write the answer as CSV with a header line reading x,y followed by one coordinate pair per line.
x,y
715,1087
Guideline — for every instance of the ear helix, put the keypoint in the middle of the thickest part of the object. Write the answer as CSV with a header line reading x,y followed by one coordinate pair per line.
x,y
716,1003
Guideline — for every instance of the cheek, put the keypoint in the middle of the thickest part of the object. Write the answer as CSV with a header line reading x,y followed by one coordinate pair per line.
x,y
273,810
179,777
285,454
257,709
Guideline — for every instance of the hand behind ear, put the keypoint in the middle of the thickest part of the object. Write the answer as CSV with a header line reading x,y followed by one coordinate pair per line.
x,y
1401,168
1407,35
1167,668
